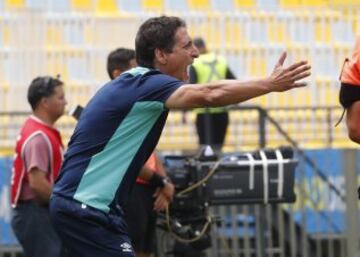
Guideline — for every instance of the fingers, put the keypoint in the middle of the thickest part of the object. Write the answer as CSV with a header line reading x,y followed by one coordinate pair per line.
x,y
163,197
168,191
299,84
296,65
160,203
281,60
294,85
157,192
300,76
300,73
283,79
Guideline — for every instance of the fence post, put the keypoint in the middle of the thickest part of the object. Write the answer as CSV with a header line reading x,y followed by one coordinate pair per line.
x,y
261,226
262,128
351,198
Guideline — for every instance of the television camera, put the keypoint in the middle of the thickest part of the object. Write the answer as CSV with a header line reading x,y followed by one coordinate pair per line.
x,y
260,177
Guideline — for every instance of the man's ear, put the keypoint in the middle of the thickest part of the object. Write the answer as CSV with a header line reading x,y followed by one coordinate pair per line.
x,y
43,103
160,56
115,73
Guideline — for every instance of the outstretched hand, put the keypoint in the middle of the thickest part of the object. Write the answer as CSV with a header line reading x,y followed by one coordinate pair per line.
x,y
283,79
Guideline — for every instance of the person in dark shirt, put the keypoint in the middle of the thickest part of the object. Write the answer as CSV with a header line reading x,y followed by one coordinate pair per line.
x,y
139,211
211,123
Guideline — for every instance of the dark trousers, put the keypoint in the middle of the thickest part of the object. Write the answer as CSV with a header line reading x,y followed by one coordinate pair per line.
x,y
32,227
211,128
89,232
141,218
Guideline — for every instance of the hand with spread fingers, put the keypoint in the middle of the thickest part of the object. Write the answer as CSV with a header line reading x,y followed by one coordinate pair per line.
x,y
283,79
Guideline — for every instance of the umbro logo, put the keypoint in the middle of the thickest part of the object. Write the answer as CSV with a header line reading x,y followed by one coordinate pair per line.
x,y
126,247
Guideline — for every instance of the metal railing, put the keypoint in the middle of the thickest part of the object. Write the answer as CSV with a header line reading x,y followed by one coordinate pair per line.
x,y
304,127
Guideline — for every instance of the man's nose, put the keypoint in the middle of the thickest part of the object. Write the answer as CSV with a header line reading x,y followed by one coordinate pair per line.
x,y
195,53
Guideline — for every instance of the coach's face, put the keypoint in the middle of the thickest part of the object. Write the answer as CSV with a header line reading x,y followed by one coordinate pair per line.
x,y
182,55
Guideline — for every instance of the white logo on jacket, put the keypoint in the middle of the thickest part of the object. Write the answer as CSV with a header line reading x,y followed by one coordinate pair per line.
x,y
126,247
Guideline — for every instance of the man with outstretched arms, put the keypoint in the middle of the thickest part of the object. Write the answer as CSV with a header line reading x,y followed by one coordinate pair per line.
x,y
115,135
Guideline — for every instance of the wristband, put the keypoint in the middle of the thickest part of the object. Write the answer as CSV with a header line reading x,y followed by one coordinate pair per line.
x,y
158,181
349,94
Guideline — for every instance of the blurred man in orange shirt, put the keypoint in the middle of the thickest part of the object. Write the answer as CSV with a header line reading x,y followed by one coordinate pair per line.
x,y
350,92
